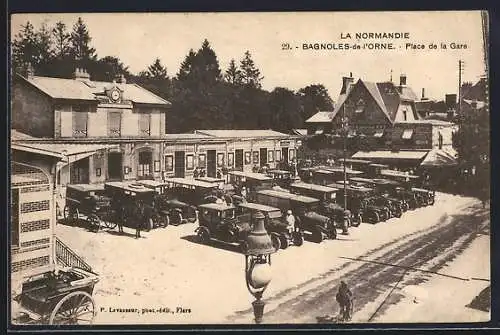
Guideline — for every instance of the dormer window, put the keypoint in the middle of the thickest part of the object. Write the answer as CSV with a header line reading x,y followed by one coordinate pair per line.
x,y
360,106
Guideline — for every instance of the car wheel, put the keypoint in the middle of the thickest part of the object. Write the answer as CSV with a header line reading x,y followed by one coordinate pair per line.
x,y
317,235
376,218
275,240
298,239
203,236
284,241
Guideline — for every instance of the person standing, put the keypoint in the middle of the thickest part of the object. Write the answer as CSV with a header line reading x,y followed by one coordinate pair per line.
x,y
139,219
344,299
290,220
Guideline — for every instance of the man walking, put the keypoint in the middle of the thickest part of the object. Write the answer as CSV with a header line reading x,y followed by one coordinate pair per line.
x,y
344,298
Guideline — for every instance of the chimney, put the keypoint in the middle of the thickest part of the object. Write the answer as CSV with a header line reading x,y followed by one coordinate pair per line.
x,y
423,94
122,79
402,79
81,74
346,84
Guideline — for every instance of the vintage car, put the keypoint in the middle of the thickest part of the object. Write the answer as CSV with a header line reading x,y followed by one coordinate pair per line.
x,y
383,194
252,181
328,175
218,221
424,197
282,178
90,201
219,182
168,209
134,203
328,205
355,164
374,170
191,191
306,212
359,202
306,174
275,224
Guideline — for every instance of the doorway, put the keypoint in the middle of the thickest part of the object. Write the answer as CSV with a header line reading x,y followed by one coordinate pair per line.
x,y
145,164
79,171
115,165
263,156
179,158
238,159
211,163
284,155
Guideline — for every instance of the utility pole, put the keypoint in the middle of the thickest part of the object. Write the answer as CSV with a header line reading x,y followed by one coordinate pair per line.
x,y
460,69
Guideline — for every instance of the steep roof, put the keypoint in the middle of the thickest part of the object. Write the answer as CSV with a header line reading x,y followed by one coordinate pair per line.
x,y
72,89
476,92
387,96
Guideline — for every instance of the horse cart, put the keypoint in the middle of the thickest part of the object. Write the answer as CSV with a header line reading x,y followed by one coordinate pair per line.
x,y
90,201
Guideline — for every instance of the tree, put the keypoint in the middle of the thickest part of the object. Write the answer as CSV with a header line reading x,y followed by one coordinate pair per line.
x,y
285,109
30,47
157,70
80,43
62,42
187,66
108,68
250,74
233,74
314,98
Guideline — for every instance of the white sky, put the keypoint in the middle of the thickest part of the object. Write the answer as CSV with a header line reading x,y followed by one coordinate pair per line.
x,y
138,38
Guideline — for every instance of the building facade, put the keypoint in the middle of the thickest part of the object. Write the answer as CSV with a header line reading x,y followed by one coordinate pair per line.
x,y
116,131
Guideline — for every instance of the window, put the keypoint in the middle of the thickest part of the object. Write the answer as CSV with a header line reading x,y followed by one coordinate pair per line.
x,y
202,160
407,134
144,124
278,155
291,154
256,157
169,163
360,106
440,140
114,124
404,115
220,159
145,158
248,157
230,159
80,120
270,156
189,162
319,130
157,166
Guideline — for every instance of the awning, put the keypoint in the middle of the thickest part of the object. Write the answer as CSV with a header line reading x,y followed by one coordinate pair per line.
x,y
440,157
390,155
407,134
378,133
68,151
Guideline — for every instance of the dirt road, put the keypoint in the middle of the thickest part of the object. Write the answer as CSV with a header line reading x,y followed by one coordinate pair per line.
x,y
374,276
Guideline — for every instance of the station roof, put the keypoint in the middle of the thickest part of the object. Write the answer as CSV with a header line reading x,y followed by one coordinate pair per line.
x,y
241,133
321,117
387,154
75,89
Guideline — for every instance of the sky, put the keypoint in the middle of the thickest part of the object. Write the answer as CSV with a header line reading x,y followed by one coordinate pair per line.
x,y
138,38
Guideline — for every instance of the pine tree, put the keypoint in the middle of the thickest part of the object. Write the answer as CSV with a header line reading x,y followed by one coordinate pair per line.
x,y
157,70
250,73
80,42
233,74
187,66
62,43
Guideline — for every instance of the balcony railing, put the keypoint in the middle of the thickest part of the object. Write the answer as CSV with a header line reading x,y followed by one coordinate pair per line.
x,y
67,257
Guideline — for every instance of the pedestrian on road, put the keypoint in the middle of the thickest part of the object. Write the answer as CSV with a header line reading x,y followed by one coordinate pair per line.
x,y
290,219
139,218
344,298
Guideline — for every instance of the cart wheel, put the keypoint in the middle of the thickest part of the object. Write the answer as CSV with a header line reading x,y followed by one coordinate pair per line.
x,y
75,308
164,221
275,240
298,239
284,242
94,222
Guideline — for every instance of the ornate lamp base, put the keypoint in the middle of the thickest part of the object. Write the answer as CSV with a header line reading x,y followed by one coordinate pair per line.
x,y
258,310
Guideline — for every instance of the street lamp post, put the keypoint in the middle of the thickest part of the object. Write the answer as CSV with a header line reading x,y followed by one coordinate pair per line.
x,y
258,264
345,131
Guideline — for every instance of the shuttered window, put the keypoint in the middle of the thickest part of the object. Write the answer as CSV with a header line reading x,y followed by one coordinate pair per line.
x,y
114,124
145,124
80,120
